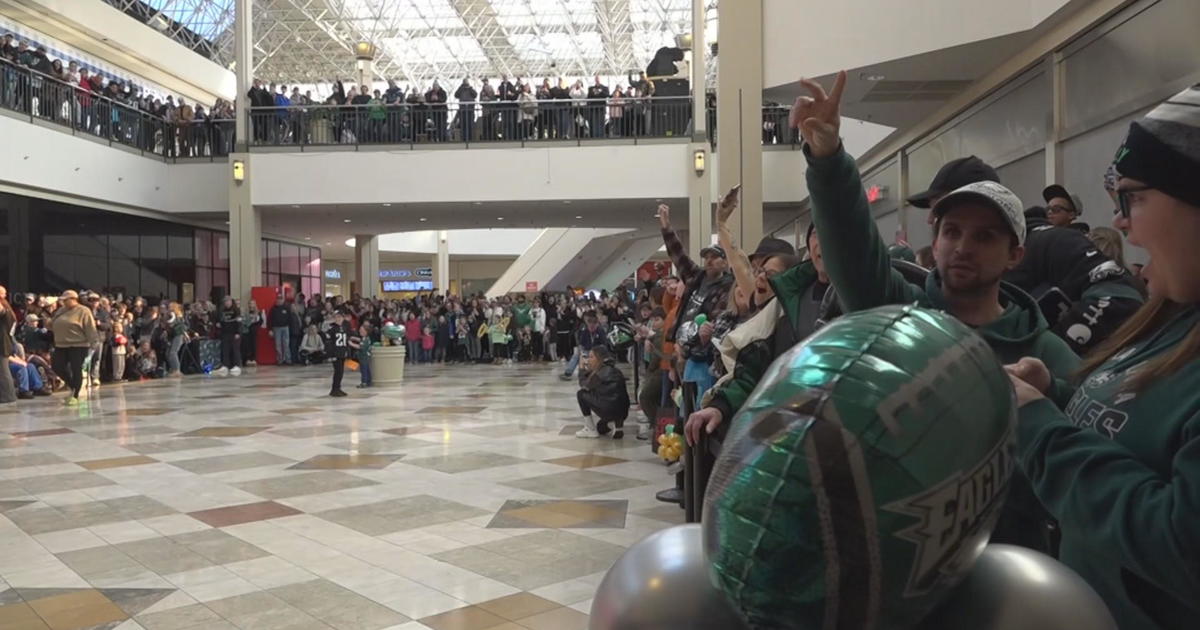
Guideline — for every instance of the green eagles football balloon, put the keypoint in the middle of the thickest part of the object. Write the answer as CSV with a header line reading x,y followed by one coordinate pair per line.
x,y
863,476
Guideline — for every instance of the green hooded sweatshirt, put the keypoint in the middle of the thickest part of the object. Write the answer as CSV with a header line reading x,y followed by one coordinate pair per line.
x,y
756,352
856,260
1120,471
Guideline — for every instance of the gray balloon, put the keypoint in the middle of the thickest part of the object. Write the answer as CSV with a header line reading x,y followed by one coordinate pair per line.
x,y
1013,588
662,582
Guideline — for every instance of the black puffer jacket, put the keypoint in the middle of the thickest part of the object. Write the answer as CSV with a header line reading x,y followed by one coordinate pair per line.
x,y
607,388
1063,262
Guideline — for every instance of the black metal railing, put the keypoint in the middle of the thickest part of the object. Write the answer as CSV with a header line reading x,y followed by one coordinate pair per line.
x,y
470,123
84,112
45,98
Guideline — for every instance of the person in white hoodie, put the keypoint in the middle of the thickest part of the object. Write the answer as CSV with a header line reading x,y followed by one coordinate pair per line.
x,y
539,329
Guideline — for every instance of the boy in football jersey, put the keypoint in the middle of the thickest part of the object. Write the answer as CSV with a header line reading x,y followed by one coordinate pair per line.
x,y
339,342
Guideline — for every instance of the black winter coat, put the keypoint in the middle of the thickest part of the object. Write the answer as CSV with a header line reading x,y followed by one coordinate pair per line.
x,y
607,388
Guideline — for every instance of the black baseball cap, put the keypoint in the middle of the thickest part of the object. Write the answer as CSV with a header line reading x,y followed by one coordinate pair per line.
x,y
714,250
771,246
1055,191
954,175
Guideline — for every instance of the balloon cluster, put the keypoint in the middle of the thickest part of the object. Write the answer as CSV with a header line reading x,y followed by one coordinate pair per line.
x,y
670,445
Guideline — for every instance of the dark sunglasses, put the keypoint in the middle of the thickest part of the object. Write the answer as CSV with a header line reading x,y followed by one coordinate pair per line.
x,y
1123,202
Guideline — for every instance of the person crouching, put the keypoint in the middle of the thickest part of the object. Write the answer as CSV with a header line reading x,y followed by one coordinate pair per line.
x,y
604,392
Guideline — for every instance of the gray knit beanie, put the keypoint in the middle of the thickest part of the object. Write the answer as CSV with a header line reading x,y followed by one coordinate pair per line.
x,y
1163,148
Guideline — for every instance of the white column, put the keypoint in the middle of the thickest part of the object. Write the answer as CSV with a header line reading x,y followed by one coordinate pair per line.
x,y
245,225
739,114
245,230
700,214
699,73
1057,78
243,44
441,266
366,264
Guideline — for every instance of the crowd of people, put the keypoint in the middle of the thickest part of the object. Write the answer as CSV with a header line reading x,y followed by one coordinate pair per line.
x,y
1102,359
133,338
105,106
506,110
109,107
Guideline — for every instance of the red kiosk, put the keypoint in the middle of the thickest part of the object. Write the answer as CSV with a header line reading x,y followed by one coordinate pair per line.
x,y
264,298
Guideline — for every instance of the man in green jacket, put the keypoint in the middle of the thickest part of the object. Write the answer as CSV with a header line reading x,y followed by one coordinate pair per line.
x,y
979,234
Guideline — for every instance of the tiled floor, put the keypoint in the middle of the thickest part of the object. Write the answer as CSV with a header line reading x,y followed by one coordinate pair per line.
x,y
457,501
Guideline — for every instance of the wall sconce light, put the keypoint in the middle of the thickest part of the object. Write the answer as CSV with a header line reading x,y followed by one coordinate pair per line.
x,y
698,161
239,171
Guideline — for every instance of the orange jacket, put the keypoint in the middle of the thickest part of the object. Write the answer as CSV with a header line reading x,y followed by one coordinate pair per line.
x,y
670,304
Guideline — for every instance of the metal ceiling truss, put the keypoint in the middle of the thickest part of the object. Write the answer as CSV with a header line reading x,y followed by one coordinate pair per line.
x,y
417,41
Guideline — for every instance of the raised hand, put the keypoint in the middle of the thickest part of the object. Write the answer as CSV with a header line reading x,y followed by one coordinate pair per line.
x,y
664,216
818,116
728,204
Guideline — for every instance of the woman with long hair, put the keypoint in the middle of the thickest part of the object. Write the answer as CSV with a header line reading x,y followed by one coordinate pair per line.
x,y
251,323
1119,469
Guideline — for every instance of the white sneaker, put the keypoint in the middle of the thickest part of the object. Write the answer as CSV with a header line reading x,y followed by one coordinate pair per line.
x,y
587,433
236,371
223,371
643,431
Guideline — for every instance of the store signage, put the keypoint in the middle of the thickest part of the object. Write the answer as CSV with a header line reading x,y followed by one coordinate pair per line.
x,y
531,287
333,274
390,286
423,272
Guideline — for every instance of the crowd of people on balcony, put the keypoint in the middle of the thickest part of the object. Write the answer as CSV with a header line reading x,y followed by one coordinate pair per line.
x,y
109,107
505,110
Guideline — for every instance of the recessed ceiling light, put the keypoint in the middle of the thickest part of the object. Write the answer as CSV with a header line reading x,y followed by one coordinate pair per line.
x,y
499,218
578,217
567,201
387,205
423,219
295,206
478,203
658,200
866,76
308,238
328,243
226,223
345,220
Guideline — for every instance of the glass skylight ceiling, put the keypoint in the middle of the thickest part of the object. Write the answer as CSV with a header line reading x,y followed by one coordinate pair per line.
x,y
310,41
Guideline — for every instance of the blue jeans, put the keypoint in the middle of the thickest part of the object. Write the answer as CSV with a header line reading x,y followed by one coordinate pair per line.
x,y
173,354
283,345
697,372
574,362
364,370
413,354
26,377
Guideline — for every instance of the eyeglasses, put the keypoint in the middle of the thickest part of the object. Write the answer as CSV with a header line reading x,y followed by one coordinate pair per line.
x,y
1123,198
1058,208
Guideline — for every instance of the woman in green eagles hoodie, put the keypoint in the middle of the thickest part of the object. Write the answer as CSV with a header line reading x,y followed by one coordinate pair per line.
x,y
979,233
1120,468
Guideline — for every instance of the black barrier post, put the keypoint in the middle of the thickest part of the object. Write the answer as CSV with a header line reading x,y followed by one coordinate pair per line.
x,y
700,469
691,515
